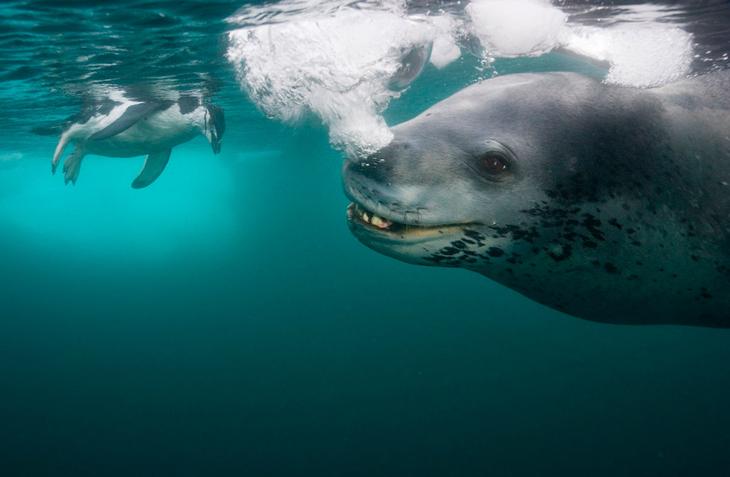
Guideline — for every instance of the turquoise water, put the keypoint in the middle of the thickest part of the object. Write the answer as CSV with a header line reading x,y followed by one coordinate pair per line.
x,y
225,322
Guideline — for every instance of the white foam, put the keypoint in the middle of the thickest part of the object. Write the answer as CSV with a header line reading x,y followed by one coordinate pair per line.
x,y
336,62
510,28
343,61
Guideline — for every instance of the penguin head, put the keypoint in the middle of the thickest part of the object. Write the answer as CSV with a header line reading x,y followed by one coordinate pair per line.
x,y
215,126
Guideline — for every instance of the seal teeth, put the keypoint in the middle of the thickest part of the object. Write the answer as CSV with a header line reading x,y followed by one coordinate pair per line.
x,y
380,222
370,218
357,215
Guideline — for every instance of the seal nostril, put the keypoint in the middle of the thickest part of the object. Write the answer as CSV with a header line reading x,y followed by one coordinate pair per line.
x,y
378,173
383,166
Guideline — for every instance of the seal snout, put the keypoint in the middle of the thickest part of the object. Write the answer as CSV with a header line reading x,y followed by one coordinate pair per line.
x,y
389,202
375,184
379,167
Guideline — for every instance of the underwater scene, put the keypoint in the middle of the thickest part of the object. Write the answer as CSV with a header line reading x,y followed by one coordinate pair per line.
x,y
365,238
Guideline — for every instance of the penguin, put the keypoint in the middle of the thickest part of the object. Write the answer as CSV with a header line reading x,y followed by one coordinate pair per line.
x,y
122,127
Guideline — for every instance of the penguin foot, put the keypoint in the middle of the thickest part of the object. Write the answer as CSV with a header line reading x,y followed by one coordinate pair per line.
x,y
72,167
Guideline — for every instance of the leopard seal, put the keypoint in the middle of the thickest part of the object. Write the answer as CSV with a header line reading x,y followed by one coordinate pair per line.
x,y
608,203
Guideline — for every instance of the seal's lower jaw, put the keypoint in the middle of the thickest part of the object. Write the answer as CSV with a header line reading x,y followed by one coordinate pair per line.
x,y
406,242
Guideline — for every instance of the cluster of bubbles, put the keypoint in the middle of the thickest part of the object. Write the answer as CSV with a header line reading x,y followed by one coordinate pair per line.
x,y
345,62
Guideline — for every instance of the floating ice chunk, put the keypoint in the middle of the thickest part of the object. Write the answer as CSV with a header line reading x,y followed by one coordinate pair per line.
x,y
510,28
642,49
639,54
445,50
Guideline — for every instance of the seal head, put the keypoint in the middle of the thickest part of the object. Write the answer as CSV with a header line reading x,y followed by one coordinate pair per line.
x,y
604,202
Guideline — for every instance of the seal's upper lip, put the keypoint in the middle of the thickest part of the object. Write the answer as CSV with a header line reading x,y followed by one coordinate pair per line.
x,y
358,215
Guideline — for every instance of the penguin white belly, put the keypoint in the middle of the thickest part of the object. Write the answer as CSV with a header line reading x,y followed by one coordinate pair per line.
x,y
160,131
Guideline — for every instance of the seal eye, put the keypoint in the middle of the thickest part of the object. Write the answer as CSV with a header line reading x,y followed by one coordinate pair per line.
x,y
494,164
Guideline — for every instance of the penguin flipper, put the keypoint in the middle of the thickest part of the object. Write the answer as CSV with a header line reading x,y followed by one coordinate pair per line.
x,y
129,118
153,167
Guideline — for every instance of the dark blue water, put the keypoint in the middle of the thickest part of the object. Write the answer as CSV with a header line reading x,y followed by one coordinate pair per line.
x,y
225,322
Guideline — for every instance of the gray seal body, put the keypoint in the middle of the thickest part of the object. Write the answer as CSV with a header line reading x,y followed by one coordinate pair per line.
x,y
608,203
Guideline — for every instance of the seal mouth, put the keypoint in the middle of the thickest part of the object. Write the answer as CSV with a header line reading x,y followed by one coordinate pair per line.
x,y
361,218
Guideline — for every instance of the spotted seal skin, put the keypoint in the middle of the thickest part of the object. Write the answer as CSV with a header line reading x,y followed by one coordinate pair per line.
x,y
611,204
